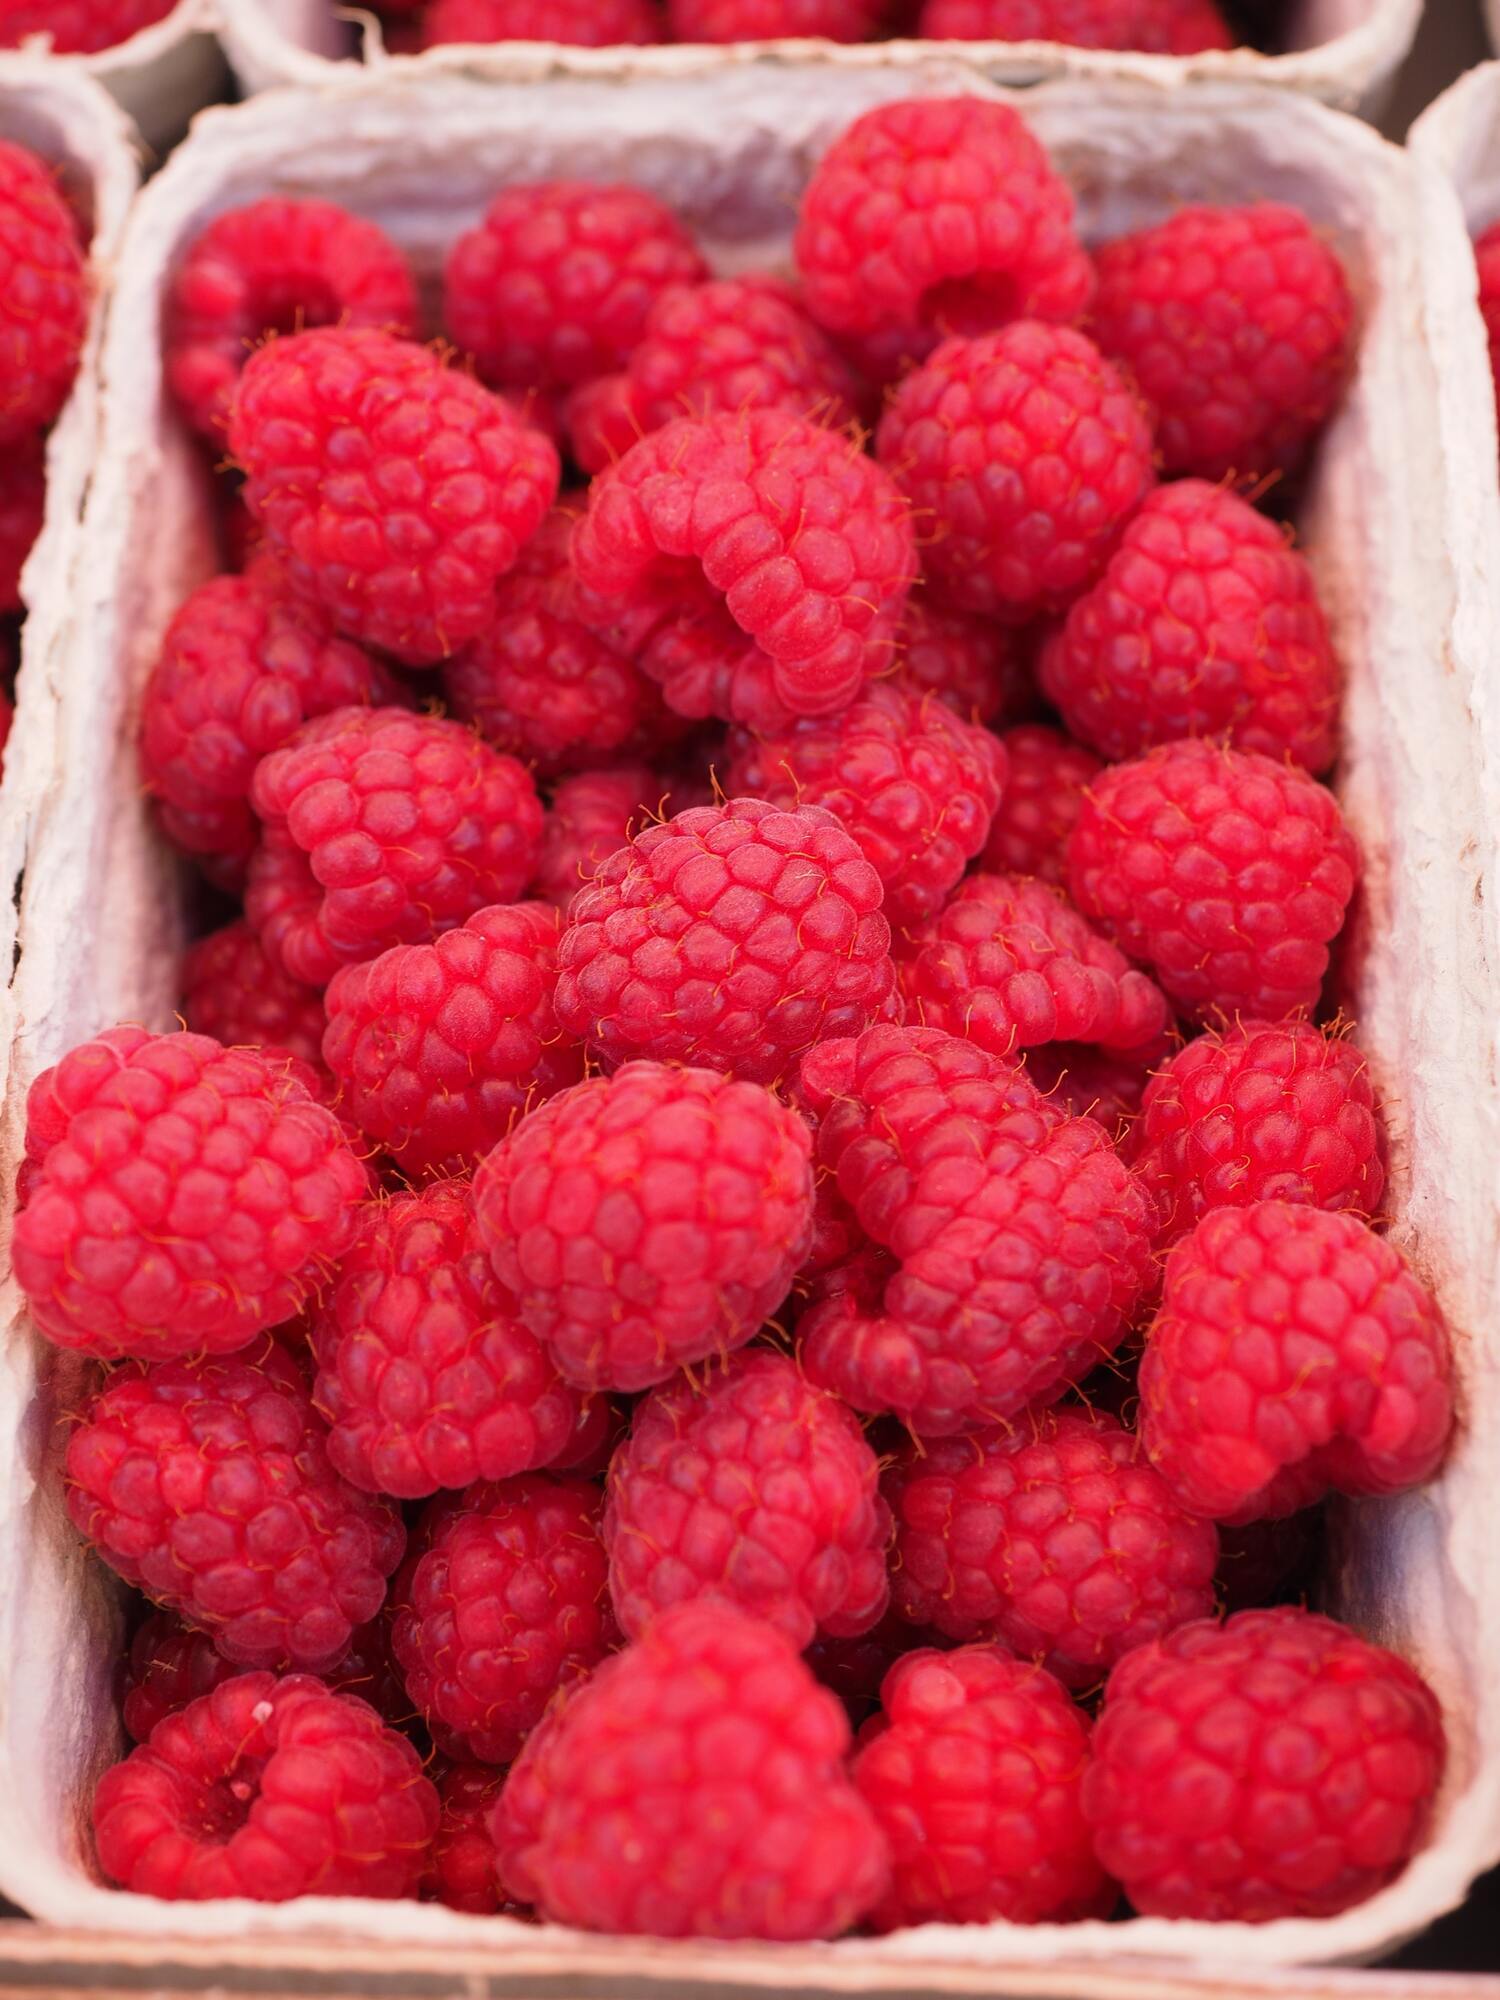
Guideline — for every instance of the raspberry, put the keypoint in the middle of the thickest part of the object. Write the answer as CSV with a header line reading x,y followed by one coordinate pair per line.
x,y
1262,1111
507,1603
274,266
774,20
914,784
734,936
1295,1353
1226,872
78,27
1487,264
44,293
1021,1240
1107,1084
808,541
694,1788
1009,963
969,663
975,1779
1154,27
23,501
393,490
1204,623
268,1789
647,1220
206,1484
233,992
425,1375
1274,1766
582,23
383,828
758,1491
589,818
732,344
706,667
1238,325
1056,1539
934,216
183,1196
242,667
461,1868
1023,452
1046,778
440,1047
555,284
855,1668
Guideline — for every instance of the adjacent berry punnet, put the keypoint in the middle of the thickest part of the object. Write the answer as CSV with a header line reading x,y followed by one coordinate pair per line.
x,y
771,1149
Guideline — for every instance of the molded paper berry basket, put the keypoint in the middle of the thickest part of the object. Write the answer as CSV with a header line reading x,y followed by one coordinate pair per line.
x,y
1343,51
162,75
1391,528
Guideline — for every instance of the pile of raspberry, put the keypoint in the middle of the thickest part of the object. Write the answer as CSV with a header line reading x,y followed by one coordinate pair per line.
x,y
733,1311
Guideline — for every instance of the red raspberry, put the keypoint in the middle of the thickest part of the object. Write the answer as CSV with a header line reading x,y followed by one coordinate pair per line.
x,y
938,215
274,266
242,667
808,541
855,1668
461,1867
581,23
555,284
694,1788
1487,263
425,1375
206,1484
732,344
1046,778
735,936
393,490
1238,325
507,1603
78,27
183,1196
1262,1111
44,293
1009,963
1056,1539
969,663
268,1789
1295,1353
1204,623
648,1220
23,501
589,818
975,1779
1023,452
1106,1084
774,20
1154,27
1274,1766
1022,1240
914,784
232,991
1226,872
759,1491
440,1047
383,828
706,667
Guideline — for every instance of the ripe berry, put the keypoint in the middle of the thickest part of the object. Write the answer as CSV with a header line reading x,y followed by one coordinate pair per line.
x,y
44,293
773,20
968,662
1153,27
23,502
589,817
1045,779
461,1867
78,27
581,23
233,992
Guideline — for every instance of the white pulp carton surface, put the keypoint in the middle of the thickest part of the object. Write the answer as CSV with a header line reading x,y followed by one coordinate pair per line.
x,y
162,75
1390,526
1343,51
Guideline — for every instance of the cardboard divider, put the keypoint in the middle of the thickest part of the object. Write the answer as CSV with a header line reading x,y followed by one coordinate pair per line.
x,y
162,75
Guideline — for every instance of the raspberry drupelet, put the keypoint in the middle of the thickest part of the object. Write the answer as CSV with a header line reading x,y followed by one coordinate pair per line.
x,y
44,295
758,1490
555,284
589,817
581,23
938,216
426,1376
1151,27
274,266
1238,326
391,489
232,991
774,20
1226,872
735,936
1053,1537
1046,776
807,541
78,27
915,785
503,1603
207,1484
1277,1765
974,1773
695,1787
1023,453
181,1196
970,663
23,502
1206,622
441,1047
1295,1353
648,1220
461,1868
268,1789
379,828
